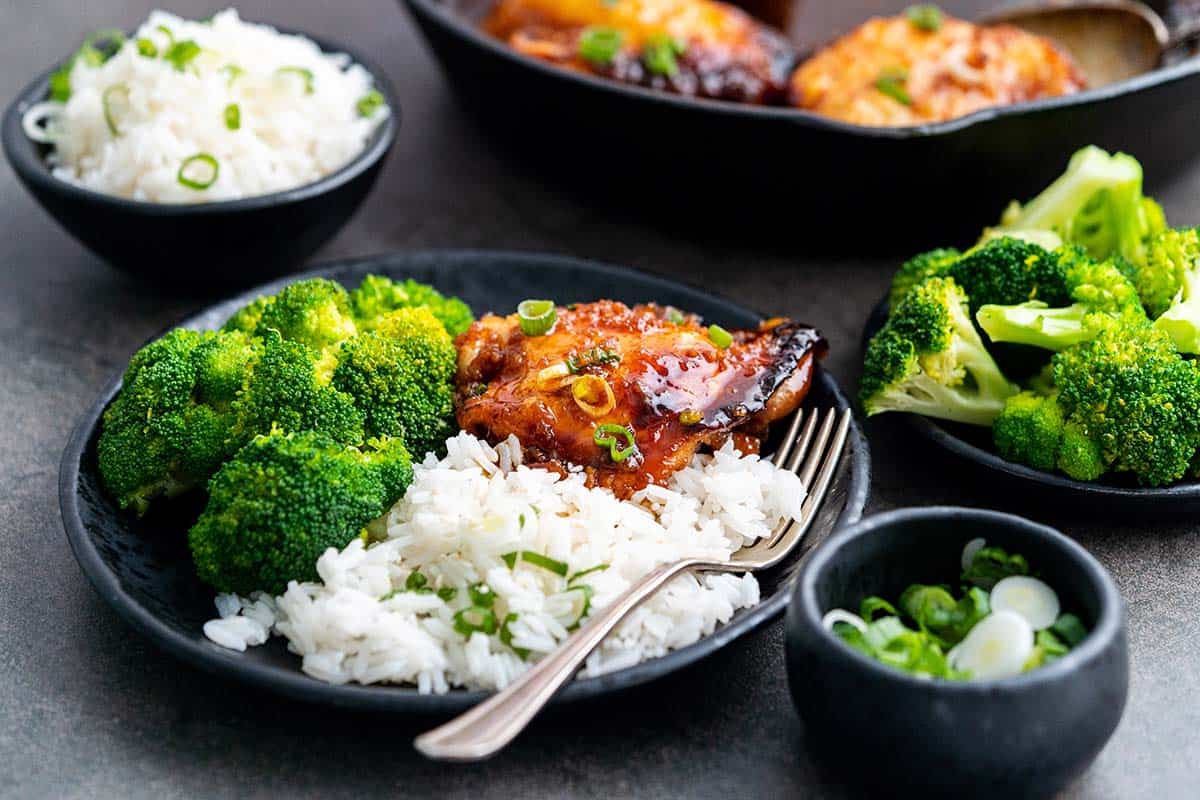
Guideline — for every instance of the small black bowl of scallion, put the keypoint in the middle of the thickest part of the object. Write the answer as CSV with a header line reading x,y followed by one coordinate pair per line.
x,y
957,652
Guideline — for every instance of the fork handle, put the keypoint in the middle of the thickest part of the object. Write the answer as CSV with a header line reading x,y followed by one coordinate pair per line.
x,y
488,727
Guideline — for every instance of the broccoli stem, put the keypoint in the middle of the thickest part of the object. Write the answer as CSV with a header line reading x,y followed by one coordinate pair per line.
x,y
1182,320
1036,324
1089,171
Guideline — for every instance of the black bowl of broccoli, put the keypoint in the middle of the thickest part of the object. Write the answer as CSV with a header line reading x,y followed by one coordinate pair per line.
x,y
1061,348
1024,735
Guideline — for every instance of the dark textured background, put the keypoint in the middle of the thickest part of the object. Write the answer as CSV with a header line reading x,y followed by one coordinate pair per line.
x,y
88,709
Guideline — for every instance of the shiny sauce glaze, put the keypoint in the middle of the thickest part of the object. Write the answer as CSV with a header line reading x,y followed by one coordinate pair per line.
x,y
672,387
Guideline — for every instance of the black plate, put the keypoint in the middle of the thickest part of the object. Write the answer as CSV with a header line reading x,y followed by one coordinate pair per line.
x,y
1110,494
142,568
744,170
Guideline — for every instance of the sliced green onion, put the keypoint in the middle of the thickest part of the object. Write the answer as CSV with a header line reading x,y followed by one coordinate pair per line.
x,y
925,17
199,171
545,562
304,73
447,593
180,54
675,316
600,45
585,604
660,52
90,54
506,636
891,83
164,30
511,559
146,47
474,619
415,581
537,317
991,564
690,417
1070,629
607,435
870,605
369,103
233,116
232,72
592,357
588,571
720,337
481,595
115,101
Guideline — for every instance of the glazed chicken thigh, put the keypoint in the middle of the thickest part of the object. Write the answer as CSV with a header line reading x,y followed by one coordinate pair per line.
x,y
629,394
700,48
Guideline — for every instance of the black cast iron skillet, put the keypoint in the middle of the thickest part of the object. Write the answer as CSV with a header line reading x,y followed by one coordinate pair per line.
x,y
790,175
143,569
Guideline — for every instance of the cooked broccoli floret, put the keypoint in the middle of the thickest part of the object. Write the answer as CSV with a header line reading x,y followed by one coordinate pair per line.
x,y
1136,397
928,359
1008,271
314,312
1100,291
1096,203
1032,430
1173,261
377,296
288,388
917,269
170,427
246,318
286,498
401,377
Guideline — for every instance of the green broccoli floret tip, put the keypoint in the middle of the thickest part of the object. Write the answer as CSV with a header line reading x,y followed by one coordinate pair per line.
x,y
928,359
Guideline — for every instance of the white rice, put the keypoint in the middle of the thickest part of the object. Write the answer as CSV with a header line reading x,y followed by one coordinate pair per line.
x,y
287,137
463,514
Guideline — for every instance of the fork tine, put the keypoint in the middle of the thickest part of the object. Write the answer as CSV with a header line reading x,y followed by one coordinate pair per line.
x,y
834,455
792,532
789,439
817,453
803,442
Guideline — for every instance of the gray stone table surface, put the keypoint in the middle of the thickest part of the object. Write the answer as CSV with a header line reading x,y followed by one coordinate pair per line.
x,y
90,709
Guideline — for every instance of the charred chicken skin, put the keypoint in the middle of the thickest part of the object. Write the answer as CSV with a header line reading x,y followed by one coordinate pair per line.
x,y
650,384
700,48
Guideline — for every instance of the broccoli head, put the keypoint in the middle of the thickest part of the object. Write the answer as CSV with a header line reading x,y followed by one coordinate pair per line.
x,y
917,269
929,359
1100,290
1097,203
1033,430
284,499
1008,271
377,296
288,388
401,377
1173,266
246,318
1136,397
171,426
313,312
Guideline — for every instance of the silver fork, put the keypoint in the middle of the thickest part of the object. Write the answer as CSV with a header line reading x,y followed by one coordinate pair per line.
x,y
488,727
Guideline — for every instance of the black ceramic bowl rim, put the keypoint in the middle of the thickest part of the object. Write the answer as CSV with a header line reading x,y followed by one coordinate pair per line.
x,y
31,167
930,429
295,683
1105,630
454,21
